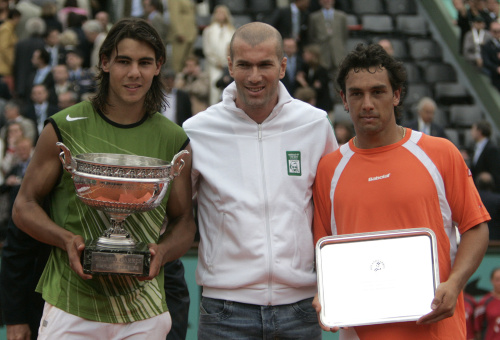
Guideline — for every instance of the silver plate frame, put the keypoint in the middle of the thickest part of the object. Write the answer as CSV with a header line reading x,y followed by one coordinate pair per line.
x,y
363,288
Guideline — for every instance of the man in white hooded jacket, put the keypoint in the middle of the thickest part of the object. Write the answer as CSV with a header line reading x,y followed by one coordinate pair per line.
x,y
255,156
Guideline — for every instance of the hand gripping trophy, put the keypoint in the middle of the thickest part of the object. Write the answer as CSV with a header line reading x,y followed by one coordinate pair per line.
x,y
119,185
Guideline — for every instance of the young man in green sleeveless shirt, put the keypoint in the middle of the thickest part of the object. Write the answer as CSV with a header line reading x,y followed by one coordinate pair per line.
x,y
121,118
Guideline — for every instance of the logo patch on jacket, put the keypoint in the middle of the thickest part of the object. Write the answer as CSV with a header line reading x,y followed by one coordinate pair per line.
x,y
293,162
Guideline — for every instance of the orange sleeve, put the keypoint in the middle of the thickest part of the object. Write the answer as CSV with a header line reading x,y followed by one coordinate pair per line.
x,y
461,193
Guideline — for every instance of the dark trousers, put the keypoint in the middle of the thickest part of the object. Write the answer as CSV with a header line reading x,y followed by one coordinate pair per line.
x,y
23,260
177,296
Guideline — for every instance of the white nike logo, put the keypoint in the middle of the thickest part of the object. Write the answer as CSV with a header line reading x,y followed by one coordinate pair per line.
x,y
70,119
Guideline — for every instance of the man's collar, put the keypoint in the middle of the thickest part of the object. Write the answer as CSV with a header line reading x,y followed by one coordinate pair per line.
x,y
482,142
45,68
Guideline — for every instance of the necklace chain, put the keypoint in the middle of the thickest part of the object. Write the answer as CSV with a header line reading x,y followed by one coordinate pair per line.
x,y
402,128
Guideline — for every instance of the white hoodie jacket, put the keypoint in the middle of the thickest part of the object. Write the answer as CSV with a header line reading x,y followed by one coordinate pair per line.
x,y
254,185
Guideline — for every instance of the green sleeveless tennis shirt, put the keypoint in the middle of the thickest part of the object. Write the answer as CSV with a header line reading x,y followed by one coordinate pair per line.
x,y
106,298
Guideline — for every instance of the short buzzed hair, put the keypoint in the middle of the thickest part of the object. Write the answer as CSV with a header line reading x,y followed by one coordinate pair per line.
x,y
13,104
35,26
425,100
92,26
255,33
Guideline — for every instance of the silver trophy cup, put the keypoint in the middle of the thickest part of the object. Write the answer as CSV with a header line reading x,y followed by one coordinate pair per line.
x,y
119,185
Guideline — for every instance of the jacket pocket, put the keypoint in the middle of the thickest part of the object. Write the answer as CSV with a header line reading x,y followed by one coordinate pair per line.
x,y
214,249
304,244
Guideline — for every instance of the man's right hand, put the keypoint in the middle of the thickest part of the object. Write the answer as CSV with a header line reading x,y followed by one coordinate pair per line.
x,y
18,332
74,248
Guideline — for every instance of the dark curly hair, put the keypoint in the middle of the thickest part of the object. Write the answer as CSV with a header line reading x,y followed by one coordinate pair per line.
x,y
140,30
364,57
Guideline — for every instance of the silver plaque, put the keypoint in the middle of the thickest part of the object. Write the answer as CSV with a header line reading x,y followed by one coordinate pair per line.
x,y
102,262
377,277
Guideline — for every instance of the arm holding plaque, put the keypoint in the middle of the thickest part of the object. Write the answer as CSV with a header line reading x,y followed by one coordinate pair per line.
x,y
473,245
181,228
41,177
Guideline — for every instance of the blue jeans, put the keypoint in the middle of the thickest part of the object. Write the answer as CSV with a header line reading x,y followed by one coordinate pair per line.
x,y
221,319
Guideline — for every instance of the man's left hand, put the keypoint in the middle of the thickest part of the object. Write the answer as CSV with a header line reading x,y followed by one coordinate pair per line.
x,y
156,262
443,304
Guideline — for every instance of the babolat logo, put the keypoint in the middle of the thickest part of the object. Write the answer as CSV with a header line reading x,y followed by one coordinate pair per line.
x,y
376,178
293,162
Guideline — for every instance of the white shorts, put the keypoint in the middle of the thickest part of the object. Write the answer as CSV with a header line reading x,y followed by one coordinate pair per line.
x,y
60,325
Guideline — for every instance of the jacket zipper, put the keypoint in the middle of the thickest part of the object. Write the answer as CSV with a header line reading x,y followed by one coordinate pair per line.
x,y
266,205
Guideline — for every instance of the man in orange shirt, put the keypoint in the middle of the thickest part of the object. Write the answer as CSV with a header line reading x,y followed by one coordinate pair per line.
x,y
389,177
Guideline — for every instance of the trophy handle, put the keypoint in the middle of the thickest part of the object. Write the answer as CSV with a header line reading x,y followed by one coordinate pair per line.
x,y
157,194
65,157
178,163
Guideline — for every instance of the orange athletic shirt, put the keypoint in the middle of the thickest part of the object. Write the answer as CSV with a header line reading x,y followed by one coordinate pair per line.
x,y
421,181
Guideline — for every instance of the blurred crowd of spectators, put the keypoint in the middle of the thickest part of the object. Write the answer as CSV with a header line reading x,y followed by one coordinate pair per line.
x,y
478,21
49,56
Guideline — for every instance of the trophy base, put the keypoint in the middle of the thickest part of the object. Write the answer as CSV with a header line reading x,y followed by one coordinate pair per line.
x,y
131,261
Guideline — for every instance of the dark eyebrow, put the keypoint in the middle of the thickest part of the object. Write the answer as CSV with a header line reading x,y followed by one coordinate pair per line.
x,y
122,57
128,58
260,62
376,87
